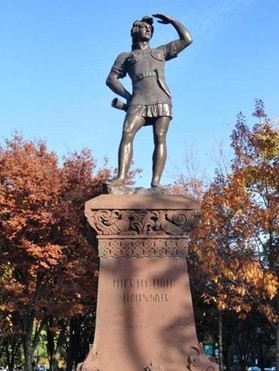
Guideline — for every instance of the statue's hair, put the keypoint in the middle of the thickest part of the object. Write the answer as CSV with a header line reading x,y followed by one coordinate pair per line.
x,y
135,29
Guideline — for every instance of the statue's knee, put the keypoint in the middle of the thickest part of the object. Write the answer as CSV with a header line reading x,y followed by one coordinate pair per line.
x,y
128,135
161,136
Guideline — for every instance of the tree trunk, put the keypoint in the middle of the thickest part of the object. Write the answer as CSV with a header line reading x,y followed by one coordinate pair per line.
x,y
54,347
28,353
220,339
11,349
50,348
74,339
28,346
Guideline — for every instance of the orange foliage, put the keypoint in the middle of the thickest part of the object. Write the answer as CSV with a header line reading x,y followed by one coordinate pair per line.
x,y
239,230
47,265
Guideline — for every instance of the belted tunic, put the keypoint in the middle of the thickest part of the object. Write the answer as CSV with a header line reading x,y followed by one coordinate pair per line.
x,y
150,96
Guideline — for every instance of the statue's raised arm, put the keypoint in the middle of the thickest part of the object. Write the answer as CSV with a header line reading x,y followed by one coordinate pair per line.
x,y
185,39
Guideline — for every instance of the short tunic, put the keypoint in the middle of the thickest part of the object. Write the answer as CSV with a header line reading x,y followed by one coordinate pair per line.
x,y
151,96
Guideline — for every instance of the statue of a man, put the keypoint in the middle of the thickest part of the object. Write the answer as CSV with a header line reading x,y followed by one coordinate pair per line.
x,y
150,101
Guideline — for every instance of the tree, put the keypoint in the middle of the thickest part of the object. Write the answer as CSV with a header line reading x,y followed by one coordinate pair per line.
x,y
239,232
29,191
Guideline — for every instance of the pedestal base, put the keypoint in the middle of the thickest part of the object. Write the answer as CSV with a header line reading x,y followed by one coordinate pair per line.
x,y
144,318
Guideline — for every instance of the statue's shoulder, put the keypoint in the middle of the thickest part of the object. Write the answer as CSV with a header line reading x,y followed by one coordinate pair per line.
x,y
123,55
121,58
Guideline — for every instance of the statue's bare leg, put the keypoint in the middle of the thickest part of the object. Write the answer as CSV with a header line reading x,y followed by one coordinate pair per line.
x,y
125,153
160,128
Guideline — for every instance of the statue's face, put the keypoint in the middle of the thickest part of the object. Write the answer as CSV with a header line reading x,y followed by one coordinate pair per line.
x,y
145,31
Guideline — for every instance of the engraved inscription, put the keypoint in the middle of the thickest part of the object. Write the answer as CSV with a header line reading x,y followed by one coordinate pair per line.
x,y
145,298
132,289
142,282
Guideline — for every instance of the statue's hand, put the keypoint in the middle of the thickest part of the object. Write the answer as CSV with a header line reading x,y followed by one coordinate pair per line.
x,y
163,18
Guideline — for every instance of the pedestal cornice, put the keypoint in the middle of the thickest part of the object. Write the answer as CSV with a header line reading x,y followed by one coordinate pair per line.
x,y
142,226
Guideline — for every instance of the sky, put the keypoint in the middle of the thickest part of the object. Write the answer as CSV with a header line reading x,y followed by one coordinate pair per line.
x,y
55,56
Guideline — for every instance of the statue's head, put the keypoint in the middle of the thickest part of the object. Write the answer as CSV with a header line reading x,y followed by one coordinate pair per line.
x,y
136,28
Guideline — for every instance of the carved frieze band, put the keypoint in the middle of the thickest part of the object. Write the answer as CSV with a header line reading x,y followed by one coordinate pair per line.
x,y
139,248
143,222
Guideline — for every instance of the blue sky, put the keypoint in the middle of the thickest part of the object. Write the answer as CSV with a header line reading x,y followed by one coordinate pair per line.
x,y
56,55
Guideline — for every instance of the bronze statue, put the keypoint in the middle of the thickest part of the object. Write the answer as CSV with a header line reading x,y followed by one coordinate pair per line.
x,y
150,101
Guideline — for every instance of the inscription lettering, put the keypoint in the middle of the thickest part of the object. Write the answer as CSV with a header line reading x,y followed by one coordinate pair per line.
x,y
132,289
144,298
142,283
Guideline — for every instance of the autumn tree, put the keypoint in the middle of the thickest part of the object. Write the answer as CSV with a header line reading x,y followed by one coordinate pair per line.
x,y
239,232
47,265
29,191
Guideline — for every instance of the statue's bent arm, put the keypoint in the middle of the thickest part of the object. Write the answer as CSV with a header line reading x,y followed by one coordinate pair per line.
x,y
115,85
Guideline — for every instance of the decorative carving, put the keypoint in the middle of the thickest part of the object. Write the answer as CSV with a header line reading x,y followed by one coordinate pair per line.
x,y
153,367
143,222
109,222
148,247
91,362
198,361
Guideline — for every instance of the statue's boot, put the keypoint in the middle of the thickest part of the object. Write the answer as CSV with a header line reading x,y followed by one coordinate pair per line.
x,y
117,182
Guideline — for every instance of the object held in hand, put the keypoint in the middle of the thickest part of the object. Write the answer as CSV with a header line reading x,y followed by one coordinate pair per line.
x,y
117,103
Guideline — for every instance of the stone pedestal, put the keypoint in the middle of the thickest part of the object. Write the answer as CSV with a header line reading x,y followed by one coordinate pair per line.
x,y
144,309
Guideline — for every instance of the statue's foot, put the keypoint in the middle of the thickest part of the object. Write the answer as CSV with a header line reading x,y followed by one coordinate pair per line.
x,y
117,182
156,185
